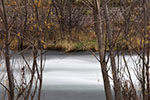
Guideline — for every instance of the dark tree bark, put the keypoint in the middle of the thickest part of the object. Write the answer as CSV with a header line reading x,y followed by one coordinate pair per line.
x,y
101,44
7,56
111,51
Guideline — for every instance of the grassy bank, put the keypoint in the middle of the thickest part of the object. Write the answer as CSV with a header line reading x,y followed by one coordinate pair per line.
x,y
82,42
85,44
68,46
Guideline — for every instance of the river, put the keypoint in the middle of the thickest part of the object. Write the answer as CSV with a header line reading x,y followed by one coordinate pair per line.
x,y
73,76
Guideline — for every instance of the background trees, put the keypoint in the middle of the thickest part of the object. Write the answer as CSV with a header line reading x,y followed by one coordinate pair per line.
x,y
116,26
15,26
119,27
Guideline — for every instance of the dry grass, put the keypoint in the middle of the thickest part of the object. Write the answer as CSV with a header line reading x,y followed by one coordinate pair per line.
x,y
83,42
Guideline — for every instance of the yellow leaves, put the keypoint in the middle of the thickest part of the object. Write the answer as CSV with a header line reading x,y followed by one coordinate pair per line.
x,y
40,29
49,2
31,19
136,12
125,42
31,28
35,1
42,41
35,25
45,22
44,44
145,41
48,25
13,3
38,2
51,13
60,16
132,18
1,20
18,34
148,27
147,36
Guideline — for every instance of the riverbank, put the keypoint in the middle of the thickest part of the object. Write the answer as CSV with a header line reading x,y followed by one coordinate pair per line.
x,y
84,43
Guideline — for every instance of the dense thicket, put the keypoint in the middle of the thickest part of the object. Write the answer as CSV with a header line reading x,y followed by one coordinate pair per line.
x,y
112,27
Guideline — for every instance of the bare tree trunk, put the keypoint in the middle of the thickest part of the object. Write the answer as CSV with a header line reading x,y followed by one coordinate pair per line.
x,y
34,51
40,74
101,44
111,51
148,59
60,14
7,57
70,18
144,49
21,41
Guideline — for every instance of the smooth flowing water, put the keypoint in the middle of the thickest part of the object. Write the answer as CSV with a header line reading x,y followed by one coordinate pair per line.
x,y
77,76
73,76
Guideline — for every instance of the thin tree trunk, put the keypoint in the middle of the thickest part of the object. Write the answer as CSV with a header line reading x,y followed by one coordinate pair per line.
x,y
70,18
144,50
41,74
112,55
34,51
7,57
101,44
